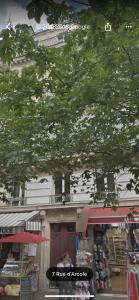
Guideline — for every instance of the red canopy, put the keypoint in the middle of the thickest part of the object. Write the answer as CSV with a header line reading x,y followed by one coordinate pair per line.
x,y
24,238
101,215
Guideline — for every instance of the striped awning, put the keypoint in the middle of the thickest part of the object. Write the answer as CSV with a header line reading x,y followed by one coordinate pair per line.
x,y
33,226
16,219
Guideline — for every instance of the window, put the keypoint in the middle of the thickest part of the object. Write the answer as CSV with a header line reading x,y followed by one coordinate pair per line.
x,y
70,228
110,182
100,185
16,190
104,182
56,227
58,183
58,179
61,38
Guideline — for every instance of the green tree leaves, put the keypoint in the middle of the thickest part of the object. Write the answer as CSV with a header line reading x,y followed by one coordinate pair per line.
x,y
72,107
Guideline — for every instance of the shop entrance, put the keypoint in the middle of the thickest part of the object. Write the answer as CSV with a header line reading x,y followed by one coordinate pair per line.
x,y
63,239
110,244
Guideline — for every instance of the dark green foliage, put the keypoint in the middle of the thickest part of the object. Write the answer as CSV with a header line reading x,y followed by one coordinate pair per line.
x,y
84,113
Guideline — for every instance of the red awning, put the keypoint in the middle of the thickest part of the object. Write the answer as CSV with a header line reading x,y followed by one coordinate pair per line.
x,y
108,215
24,238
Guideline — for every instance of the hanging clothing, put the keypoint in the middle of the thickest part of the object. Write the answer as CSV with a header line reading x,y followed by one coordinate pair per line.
x,y
77,242
132,286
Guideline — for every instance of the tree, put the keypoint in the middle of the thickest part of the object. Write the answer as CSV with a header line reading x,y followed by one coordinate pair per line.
x,y
83,113
78,10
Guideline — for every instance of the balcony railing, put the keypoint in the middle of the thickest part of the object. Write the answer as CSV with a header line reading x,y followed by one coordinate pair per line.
x,y
106,194
52,199
60,199
17,201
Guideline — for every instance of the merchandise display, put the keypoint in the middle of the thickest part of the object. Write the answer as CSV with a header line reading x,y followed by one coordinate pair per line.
x,y
110,258
117,247
13,277
100,266
110,245
9,287
136,236
82,288
12,268
18,268
84,259
100,260
133,276
19,278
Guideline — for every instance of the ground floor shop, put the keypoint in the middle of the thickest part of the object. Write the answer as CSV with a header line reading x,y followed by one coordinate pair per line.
x,y
110,236
106,234
109,250
19,262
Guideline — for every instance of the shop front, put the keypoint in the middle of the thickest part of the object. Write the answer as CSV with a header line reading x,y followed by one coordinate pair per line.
x,y
110,235
19,263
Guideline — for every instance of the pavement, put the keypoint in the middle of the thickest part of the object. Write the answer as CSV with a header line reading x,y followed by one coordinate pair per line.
x,y
40,296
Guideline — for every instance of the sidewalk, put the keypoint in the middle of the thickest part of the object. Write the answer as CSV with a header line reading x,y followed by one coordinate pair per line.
x,y
98,297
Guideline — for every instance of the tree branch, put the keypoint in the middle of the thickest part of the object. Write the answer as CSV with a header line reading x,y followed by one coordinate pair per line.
x,y
127,53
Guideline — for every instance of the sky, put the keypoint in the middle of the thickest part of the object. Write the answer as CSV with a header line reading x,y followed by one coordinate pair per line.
x,y
14,10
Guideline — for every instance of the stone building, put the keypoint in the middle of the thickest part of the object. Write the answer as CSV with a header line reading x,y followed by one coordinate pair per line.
x,y
60,213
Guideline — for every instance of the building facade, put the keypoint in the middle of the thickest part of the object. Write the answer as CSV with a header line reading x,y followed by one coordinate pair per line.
x,y
59,203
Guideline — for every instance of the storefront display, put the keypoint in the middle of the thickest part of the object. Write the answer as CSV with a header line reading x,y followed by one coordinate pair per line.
x,y
112,234
109,250
133,276
9,251
13,277
100,260
9,286
136,238
82,288
100,267
84,259
19,279
117,248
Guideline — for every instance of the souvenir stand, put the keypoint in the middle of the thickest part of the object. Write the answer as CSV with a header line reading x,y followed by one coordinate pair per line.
x,y
15,283
117,246
133,271
109,249
19,279
100,260
133,276
84,259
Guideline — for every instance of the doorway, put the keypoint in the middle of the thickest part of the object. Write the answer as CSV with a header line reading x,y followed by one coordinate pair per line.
x,y
63,239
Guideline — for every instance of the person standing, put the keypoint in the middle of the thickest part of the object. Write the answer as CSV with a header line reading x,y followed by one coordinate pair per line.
x,y
68,284
67,260
61,284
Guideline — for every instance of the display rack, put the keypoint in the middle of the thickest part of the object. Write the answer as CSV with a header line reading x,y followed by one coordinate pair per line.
x,y
84,259
117,247
14,281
